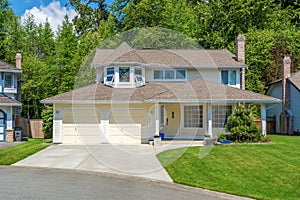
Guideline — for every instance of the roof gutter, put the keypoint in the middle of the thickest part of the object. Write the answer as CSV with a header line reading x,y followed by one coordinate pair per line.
x,y
155,66
159,101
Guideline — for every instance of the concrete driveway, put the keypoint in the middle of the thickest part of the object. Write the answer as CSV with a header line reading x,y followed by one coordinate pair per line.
x,y
135,160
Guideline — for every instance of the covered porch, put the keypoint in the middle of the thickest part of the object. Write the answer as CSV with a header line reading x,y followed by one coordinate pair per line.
x,y
194,120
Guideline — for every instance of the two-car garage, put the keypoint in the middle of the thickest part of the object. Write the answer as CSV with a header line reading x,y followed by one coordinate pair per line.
x,y
86,126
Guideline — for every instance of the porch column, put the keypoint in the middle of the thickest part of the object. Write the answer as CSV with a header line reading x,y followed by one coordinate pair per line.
x,y
104,128
263,119
156,119
209,119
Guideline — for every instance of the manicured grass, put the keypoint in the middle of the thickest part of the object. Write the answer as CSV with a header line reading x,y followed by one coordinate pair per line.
x,y
16,153
262,171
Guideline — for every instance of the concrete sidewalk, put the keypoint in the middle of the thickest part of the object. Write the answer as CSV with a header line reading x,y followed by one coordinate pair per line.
x,y
135,160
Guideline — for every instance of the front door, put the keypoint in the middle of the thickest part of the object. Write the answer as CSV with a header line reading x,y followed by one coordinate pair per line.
x,y
2,125
172,120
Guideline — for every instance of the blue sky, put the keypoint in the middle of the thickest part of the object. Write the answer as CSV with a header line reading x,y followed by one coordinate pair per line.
x,y
53,10
19,6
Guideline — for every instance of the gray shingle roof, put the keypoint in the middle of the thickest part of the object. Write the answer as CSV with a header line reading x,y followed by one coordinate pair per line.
x,y
295,79
6,66
5,100
166,57
196,90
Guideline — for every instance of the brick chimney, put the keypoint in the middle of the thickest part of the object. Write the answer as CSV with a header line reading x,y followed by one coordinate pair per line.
x,y
286,122
19,61
240,56
286,73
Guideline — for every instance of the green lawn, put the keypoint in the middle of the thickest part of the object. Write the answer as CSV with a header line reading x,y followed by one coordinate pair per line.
x,y
16,153
262,171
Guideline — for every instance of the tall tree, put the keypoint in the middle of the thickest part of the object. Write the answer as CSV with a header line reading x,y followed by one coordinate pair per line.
x,y
89,14
10,33
45,37
66,48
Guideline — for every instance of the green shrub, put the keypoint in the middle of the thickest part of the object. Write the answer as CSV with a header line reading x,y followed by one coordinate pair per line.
x,y
241,126
47,115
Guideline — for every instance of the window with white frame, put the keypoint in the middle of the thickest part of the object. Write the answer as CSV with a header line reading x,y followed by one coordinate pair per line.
x,y
169,74
110,72
220,114
193,116
138,74
124,74
8,80
228,77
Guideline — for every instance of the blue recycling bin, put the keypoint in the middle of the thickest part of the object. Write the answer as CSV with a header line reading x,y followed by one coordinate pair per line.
x,y
162,136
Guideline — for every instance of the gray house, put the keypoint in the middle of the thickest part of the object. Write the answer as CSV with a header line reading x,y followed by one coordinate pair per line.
x,y
287,114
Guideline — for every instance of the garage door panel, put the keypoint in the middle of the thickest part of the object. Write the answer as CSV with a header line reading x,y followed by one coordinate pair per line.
x,y
82,127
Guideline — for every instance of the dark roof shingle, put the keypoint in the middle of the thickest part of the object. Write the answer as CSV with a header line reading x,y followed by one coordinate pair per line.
x,y
166,57
6,66
5,100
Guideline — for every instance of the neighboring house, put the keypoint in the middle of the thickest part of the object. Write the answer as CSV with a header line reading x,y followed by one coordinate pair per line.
x,y
10,97
287,120
140,93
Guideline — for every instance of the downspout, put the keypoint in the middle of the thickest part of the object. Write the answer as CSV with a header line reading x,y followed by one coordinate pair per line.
x,y
2,84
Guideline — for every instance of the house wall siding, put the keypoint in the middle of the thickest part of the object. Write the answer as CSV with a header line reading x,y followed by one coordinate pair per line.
x,y
295,107
275,109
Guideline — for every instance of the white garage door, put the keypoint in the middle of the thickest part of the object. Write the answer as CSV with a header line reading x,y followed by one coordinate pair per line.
x,y
127,126
82,127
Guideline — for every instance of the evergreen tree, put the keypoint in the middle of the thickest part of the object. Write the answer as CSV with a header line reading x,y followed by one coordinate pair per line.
x,y
241,125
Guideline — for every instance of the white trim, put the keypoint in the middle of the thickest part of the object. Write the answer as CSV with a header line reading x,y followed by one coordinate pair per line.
x,y
10,70
159,101
263,119
209,119
166,66
157,118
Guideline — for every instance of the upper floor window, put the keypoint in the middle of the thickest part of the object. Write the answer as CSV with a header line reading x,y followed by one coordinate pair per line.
x,y
169,74
124,73
124,76
8,80
110,72
228,77
138,72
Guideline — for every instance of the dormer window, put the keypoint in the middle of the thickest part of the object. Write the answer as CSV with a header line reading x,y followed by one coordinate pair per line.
x,y
124,73
124,76
110,74
138,73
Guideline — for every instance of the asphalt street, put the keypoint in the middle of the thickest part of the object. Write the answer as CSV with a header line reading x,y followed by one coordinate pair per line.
x,y
43,183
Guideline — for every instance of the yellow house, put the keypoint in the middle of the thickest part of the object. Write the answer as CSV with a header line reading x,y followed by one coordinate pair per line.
x,y
140,93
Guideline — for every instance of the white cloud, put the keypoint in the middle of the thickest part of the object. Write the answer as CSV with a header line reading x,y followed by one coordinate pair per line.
x,y
54,12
